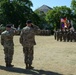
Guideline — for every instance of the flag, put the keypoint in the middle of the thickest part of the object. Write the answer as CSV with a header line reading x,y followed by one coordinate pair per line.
x,y
62,20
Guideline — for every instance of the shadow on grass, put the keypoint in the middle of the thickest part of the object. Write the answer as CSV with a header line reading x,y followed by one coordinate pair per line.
x,y
31,71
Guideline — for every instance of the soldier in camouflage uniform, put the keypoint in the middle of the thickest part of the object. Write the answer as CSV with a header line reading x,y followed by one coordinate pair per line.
x,y
27,39
7,42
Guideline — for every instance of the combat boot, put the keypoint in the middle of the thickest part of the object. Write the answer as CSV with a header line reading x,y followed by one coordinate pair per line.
x,y
27,66
9,65
30,67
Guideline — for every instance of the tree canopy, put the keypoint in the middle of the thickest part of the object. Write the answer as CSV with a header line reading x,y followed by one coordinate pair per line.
x,y
16,12
54,16
73,7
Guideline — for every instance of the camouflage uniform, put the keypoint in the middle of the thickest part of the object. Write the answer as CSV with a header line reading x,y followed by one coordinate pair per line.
x,y
27,39
7,42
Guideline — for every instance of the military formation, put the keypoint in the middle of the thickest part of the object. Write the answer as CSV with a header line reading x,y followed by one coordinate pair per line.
x,y
45,32
65,35
66,32
27,40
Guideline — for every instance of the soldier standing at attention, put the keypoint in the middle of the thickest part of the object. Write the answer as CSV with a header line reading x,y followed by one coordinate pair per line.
x,y
7,42
27,39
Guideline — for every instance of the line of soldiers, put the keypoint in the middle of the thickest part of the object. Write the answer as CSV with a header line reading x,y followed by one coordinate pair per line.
x,y
45,32
27,40
41,32
65,35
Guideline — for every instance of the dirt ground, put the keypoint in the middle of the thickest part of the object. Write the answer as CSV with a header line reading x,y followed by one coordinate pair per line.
x,y
51,57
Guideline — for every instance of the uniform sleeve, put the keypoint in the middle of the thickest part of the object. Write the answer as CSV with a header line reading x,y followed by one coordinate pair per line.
x,y
2,39
36,29
13,31
21,37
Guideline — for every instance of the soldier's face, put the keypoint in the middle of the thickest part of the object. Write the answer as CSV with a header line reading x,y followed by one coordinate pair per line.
x,y
7,28
28,24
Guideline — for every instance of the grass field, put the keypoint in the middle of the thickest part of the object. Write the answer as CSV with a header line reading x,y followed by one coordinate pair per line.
x,y
51,57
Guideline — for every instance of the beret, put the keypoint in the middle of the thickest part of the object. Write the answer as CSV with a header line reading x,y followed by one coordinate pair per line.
x,y
28,21
9,25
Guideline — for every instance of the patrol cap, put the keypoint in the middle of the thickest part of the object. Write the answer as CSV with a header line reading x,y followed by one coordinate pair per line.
x,y
9,25
28,21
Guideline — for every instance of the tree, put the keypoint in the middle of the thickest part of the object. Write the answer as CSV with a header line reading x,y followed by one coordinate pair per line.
x,y
16,11
73,7
54,16
42,19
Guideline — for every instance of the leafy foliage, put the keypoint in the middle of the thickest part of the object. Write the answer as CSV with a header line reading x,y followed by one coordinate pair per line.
x,y
73,7
16,12
54,16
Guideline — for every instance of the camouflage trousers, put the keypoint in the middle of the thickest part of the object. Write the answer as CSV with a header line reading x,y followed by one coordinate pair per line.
x,y
8,51
28,54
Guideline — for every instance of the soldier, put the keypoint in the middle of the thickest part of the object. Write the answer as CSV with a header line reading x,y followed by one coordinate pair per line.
x,y
27,39
7,42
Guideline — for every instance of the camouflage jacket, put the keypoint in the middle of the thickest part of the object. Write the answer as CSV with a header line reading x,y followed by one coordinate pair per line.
x,y
7,38
27,36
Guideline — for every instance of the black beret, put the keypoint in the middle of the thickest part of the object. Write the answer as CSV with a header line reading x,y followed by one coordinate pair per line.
x,y
28,21
9,25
